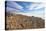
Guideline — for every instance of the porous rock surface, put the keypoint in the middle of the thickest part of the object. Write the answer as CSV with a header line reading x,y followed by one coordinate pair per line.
x,y
23,22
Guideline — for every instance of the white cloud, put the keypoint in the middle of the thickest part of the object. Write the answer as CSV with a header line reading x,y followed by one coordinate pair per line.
x,y
35,6
31,7
14,5
18,6
39,6
10,9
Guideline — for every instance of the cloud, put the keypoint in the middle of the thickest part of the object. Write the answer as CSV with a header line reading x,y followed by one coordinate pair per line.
x,y
10,9
13,4
32,6
35,6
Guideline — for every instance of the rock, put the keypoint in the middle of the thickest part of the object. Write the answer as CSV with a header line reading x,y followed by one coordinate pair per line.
x,y
23,22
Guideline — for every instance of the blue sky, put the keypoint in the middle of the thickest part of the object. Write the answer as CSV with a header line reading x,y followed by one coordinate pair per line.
x,y
24,4
25,7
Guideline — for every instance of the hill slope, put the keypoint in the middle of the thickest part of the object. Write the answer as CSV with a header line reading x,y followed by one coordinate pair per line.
x,y
19,21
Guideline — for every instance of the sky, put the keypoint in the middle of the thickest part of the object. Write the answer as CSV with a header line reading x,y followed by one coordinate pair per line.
x,y
26,8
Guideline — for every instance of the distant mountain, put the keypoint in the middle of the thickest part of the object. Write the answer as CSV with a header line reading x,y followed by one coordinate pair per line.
x,y
18,21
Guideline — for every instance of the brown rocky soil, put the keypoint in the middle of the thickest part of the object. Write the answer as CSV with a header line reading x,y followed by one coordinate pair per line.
x,y
23,22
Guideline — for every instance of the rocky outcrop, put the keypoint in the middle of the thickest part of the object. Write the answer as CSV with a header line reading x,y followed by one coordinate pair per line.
x,y
23,22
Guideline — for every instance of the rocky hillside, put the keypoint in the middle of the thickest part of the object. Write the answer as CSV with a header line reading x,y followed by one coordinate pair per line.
x,y
18,21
